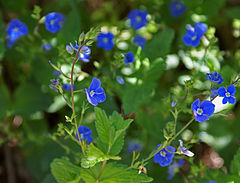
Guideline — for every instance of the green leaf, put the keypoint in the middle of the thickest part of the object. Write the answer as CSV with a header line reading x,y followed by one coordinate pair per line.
x,y
65,172
235,168
95,155
135,95
114,173
160,44
102,125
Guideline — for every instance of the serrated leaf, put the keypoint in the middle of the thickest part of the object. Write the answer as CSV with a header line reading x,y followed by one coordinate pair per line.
x,y
114,173
102,125
235,168
160,44
65,172
95,155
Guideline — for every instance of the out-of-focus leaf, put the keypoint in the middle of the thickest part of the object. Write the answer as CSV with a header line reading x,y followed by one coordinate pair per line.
x,y
65,172
235,168
160,44
4,100
29,99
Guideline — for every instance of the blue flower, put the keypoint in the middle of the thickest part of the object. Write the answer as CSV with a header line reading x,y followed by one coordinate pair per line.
x,y
84,52
227,94
85,133
164,157
96,93
129,58
215,77
138,18
212,181
177,8
120,80
56,73
200,28
172,168
15,30
194,34
184,150
202,110
134,146
139,41
67,87
54,21
214,92
174,104
54,84
105,40
46,47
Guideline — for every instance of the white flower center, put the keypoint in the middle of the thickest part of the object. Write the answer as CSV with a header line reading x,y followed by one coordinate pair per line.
x,y
163,153
228,94
138,19
199,111
92,93
194,38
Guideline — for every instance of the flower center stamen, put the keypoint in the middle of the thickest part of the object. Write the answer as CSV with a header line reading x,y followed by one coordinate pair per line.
x,y
138,19
162,153
52,22
92,93
199,111
105,40
228,94
194,38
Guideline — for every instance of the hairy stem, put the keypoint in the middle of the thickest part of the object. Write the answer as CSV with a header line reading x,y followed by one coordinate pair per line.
x,y
101,170
72,94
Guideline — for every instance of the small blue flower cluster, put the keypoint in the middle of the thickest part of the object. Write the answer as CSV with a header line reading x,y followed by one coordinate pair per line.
x,y
177,8
134,146
206,109
84,52
15,30
194,34
54,21
215,77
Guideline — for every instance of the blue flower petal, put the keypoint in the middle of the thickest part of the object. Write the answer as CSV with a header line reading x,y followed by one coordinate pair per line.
x,y
195,105
221,91
100,97
208,107
90,99
95,84
201,118
231,100
225,100
231,89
